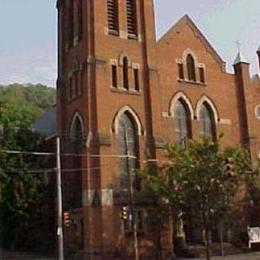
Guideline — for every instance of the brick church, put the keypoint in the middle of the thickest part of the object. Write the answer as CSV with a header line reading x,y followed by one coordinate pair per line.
x,y
122,95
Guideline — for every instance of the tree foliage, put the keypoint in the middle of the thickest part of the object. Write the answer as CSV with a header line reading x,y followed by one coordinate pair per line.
x,y
34,99
20,187
195,183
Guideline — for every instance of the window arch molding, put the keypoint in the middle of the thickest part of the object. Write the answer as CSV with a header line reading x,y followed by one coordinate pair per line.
x,y
121,58
76,65
209,102
180,96
185,55
128,109
76,116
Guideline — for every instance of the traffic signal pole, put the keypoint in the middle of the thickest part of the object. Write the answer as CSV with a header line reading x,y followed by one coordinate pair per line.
x,y
59,201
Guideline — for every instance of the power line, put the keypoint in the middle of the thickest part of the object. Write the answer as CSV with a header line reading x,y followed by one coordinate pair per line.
x,y
27,153
52,170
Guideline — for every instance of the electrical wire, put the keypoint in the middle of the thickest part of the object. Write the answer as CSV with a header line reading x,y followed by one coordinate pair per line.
x,y
53,170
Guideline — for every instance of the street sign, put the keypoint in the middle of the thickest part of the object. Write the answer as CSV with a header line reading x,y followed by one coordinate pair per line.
x,y
253,235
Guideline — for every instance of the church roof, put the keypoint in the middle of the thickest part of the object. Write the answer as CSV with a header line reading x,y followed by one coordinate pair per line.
x,y
46,124
186,19
240,59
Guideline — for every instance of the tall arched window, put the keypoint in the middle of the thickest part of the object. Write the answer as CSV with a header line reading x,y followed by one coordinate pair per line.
x,y
182,121
191,67
77,134
207,123
128,149
75,175
125,73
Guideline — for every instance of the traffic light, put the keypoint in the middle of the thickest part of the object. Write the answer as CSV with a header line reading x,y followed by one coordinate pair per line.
x,y
124,213
230,167
66,219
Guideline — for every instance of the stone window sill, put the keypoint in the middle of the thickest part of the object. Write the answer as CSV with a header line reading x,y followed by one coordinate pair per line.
x,y
132,37
125,91
113,32
186,81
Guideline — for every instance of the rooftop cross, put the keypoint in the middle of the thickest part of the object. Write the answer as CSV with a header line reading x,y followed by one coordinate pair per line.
x,y
238,45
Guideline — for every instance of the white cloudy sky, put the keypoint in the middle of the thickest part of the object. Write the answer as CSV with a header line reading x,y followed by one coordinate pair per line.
x,y
28,33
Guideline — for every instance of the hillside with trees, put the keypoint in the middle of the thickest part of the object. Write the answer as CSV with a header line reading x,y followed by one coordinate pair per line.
x,y
23,188
34,99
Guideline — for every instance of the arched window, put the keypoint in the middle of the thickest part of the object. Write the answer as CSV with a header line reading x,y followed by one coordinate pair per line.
x,y
182,121
75,175
191,67
128,149
125,73
77,133
207,123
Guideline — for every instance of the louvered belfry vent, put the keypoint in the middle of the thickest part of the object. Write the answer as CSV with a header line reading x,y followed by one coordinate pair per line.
x,y
112,15
131,17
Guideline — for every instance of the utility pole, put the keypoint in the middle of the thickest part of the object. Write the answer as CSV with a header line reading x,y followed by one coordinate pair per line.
x,y
59,201
131,202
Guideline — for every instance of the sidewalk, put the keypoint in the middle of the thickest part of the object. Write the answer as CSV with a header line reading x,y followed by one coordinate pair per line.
x,y
247,256
20,256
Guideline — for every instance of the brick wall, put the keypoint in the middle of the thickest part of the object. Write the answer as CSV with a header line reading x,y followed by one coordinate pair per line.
x,y
99,102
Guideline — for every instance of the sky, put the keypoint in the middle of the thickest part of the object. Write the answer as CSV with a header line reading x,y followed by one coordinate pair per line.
x,y
28,29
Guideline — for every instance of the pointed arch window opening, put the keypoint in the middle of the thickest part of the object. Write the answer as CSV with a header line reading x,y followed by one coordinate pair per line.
x,y
208,126
191,70
75,176
182,122
128,149
77,135
75,82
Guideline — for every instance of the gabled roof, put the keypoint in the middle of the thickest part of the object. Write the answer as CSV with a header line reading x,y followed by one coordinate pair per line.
x,y
46,124
187,20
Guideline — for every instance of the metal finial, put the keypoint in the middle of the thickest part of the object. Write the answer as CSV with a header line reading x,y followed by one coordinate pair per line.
x,y
238,45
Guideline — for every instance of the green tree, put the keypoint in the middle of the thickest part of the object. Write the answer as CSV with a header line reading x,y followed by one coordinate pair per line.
x,y
20,188
195,184
34,99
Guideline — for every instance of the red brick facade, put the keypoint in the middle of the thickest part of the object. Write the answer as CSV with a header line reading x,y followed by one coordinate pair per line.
x,y
95,62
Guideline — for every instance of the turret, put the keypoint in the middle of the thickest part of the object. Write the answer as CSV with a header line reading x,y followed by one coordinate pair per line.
x,y
241,68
